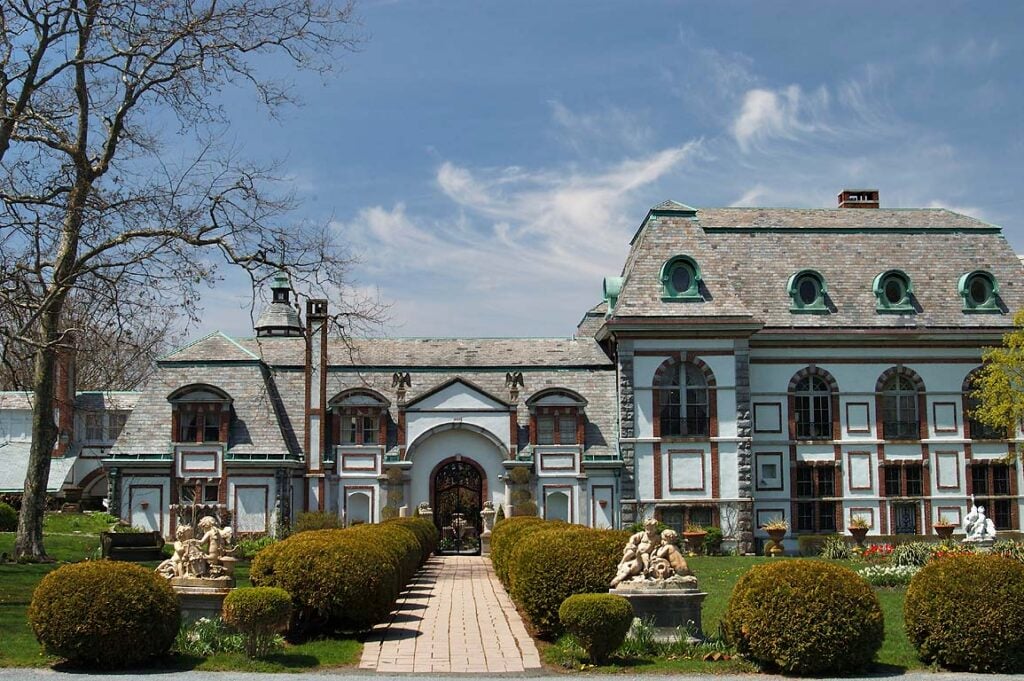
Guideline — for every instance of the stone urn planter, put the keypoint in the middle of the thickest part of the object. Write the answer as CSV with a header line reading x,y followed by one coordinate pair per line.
x,y
858,534
775,547
694,541
944,530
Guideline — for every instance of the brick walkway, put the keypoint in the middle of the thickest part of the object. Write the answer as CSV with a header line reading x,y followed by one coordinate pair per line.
x,y
454,617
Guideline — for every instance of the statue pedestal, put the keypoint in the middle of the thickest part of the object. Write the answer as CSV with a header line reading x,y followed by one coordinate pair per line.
x,y
201,597
981,545
671,608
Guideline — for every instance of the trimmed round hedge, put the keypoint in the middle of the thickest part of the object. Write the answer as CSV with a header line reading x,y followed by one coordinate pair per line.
x,y
338,579
505,536
805,617
400,541
8,518
104,614
599,622
547,567
260,613
967,613
425,532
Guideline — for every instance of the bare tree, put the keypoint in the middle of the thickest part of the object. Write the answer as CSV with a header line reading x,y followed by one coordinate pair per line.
x,y
95,98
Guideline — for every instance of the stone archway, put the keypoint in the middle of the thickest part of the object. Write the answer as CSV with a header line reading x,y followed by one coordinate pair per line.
x,y
458,489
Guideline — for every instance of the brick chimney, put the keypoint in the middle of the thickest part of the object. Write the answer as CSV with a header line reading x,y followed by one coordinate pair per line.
x,y
64,399
317,411
858,198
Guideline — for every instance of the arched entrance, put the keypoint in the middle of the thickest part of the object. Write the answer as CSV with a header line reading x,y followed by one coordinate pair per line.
x,y
458,485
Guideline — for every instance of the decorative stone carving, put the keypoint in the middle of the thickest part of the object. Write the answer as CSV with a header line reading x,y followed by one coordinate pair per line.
x,y
977,526
487,516
207,557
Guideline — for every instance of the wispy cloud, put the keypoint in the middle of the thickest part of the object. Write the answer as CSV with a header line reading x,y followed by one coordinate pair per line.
x,y
585,131
785,113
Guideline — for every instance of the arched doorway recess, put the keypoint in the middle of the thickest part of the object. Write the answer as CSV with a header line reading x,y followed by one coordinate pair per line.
x,y
458,492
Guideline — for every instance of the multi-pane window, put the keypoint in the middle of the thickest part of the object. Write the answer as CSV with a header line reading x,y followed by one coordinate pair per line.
x,y
979,430
993,480
200,424
904,481
815,491
899,409
94,426
813,409
678,517
556,426
684,403
116,421
208,494
359,429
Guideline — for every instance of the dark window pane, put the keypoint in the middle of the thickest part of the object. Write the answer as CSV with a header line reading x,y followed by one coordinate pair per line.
x,y
826,515
681,278
545,430
892,481
914,484
826,482
211,427
893,290
805,516
808,290
1000,479
700,515
188,426
567,429
674,518
979,290
1001,516
804,481
671,418
370,430
210,494
979,479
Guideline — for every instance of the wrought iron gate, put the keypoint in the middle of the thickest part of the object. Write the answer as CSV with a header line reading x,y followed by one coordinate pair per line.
x,y
458,498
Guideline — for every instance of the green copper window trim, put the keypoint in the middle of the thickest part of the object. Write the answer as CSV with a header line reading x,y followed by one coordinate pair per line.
x,y
797,284
969,285
681,268
612,289
893,280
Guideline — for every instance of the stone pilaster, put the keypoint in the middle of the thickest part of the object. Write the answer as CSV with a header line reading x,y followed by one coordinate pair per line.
x,y
627,429
744,459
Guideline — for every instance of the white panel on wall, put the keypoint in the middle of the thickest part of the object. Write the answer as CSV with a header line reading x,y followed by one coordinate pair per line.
x,y
858,417
556,506
251,503
860,470
944,416
767,417
603,506
686,470
948,465
358,508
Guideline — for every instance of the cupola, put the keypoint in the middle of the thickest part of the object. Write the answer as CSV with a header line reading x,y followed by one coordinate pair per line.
x,y
279,318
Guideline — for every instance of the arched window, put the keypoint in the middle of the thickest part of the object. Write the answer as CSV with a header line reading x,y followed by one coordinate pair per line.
x,y
361,417
684,402
557,417
812,398
900,417
200,413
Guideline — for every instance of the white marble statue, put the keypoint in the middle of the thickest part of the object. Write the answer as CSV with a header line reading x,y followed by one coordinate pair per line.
x,y
977,526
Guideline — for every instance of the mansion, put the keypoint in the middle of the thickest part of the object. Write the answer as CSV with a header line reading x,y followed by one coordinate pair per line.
x,y
747,364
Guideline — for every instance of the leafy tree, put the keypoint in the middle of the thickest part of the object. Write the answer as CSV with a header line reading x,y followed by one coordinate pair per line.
x,y
117,192
999,385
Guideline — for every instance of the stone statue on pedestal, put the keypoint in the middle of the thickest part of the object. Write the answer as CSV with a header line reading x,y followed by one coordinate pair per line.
x,y
203,558
977,526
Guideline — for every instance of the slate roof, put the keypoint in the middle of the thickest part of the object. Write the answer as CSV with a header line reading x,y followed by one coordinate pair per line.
x,y
279,316
14,463
747,255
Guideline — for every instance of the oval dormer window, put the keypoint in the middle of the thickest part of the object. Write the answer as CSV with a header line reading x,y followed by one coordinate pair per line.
x,y
894,293
807,291
980,292
680,279
808,288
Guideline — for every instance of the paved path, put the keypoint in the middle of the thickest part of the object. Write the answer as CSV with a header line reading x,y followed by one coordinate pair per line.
x,y
454,617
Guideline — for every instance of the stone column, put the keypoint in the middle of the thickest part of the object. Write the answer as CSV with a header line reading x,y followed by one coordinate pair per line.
x,y
745,516
627,429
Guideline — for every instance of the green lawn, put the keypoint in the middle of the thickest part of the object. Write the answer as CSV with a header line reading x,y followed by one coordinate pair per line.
x,y
71,537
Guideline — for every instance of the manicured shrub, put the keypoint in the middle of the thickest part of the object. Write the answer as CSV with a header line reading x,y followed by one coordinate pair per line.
x,y
804,617
249,547
104,613
338,579
967,613
316,520
260,613
548,567
519,476
504,538
400,541
525,509
425,532
8,518
599,622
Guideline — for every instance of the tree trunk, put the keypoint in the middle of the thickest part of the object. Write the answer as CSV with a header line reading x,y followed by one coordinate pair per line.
x,y
29,541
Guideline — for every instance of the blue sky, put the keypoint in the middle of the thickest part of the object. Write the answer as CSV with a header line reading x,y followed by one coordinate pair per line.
x,y
488,162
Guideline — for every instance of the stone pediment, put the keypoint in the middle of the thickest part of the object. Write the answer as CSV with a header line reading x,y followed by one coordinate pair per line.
x,y
457,394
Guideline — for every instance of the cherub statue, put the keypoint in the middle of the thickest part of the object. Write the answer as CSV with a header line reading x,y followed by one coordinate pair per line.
x,y
977,526
186,550
636,557
669,553
215,539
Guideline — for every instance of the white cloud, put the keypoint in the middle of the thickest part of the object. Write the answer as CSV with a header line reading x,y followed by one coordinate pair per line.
x,y
584,132
785,113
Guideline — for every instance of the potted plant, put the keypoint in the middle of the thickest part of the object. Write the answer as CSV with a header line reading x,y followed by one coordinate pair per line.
x,y
776,530
944,529
694,536
859,528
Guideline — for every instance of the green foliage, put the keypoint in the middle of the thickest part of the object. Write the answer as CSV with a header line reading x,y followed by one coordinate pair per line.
x,y
888,575
1009,548
500,515
967,613
248,547
599,622
505,537
316,520
519,476
835,548
388,513
343,579
547,567
805,617
519,496
260,613
394,475
206,637
997,385
8,518
913,554
713,540
525,509
124,528
104,613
